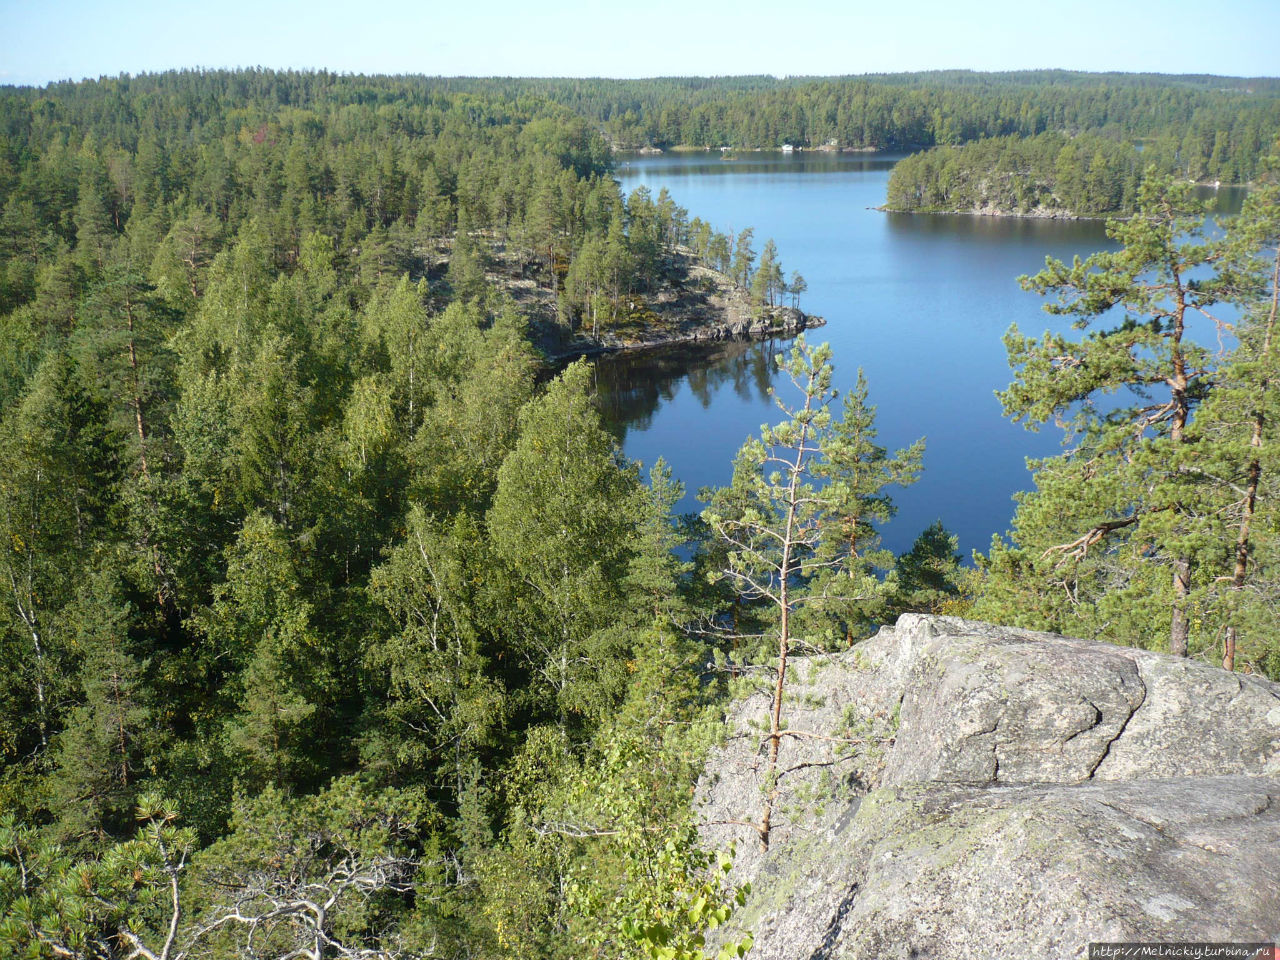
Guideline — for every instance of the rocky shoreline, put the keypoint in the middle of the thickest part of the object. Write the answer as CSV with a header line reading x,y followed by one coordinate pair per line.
x,y
1040,213
776,322
689,304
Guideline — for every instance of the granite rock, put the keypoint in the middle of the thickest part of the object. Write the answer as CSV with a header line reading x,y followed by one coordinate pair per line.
x,y
957,789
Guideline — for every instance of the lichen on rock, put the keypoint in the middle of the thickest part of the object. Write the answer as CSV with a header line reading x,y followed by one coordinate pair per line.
x,y
982,791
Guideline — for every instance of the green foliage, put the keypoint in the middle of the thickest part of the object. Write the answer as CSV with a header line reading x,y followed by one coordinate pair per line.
x,y
60,460
282,500
563,523
1048,174
102,748
332,872
1130,534
856,471
1218,126
265,628
675,894
468,431
800,514
929,576
655,575
54,905
444,701
291,531
648,889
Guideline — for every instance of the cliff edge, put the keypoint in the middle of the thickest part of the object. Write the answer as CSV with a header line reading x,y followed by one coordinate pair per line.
x,y
960,790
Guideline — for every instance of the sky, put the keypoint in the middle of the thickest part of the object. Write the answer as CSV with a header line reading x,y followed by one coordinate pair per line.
x,y
47,40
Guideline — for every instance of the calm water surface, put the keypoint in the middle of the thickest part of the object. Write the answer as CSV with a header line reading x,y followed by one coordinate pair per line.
x,y
918,302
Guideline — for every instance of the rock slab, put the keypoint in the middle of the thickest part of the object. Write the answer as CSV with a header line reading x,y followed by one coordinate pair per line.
x,y
979,791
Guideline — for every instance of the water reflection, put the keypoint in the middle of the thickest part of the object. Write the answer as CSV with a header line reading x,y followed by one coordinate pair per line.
x,y
1223,200
757,163
967,227
632,388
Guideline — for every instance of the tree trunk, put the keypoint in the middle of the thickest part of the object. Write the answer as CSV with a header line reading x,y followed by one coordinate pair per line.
x,y
136,388
784,635
1180,626
1255,470
1180,630
775,716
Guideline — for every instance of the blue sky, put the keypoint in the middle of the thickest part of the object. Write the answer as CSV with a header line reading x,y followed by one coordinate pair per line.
x,y
60,39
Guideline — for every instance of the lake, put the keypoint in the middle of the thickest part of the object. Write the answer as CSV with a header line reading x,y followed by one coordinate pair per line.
x,y
919,302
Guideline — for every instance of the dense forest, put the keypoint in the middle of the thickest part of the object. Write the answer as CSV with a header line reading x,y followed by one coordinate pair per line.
x,y
383,648
333,624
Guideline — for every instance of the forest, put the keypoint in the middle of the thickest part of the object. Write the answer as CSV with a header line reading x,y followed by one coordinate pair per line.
x,y
1220,126
332,621
1050,174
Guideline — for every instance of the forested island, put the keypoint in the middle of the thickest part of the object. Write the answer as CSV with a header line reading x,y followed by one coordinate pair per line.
x,y
333,625
1048,175
1085,169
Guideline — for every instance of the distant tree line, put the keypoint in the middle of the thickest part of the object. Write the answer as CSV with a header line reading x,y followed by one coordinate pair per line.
x,y
1222,125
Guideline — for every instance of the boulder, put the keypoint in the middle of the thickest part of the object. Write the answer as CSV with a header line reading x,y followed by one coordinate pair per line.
x,y
955,789
789,318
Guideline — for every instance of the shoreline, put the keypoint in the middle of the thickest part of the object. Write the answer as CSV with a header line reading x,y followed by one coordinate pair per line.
x,y
999,214
689,303
651,151
786,322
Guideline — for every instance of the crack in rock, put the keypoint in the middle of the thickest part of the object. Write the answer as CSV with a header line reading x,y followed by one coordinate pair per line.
x,y
1106,751
1091,726
832,933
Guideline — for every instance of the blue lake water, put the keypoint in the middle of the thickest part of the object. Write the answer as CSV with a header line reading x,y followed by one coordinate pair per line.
x,y
918,302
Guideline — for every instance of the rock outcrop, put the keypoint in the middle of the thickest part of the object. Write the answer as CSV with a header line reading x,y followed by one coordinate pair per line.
x,y
696,326
689,303
958,790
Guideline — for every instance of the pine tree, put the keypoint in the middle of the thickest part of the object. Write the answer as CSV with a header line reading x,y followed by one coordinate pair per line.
x,y
655,572
59,475
279,664
273,445
797,287
794,520
1235,433
857,472
108,735
929,576
744,258
1119,500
